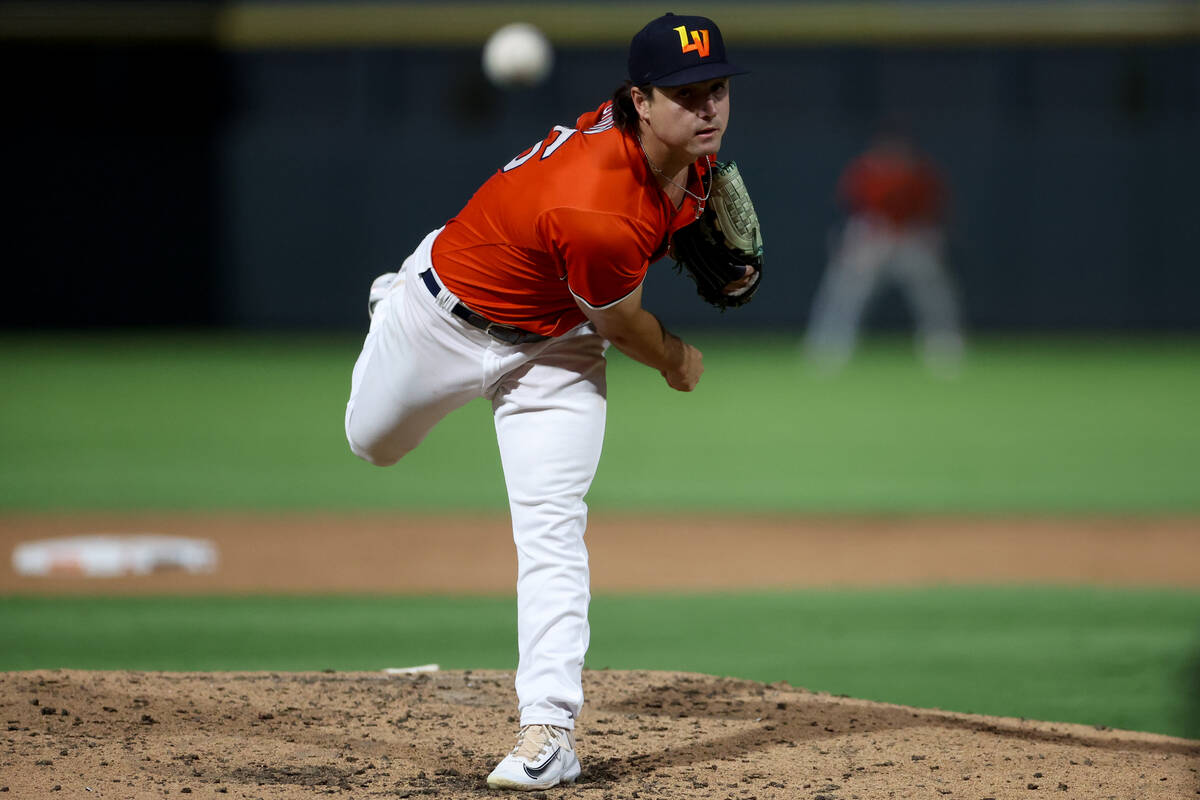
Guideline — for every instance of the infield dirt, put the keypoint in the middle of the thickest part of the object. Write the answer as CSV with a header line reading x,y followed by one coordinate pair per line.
x,y
438,554
642,735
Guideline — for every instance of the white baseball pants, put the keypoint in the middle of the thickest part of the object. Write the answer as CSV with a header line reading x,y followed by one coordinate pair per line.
x,y
419,363
870,254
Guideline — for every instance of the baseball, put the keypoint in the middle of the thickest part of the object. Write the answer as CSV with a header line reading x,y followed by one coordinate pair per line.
x,y
517,55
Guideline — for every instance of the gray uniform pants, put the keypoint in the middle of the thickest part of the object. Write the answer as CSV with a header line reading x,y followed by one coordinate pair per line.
x,y
870,254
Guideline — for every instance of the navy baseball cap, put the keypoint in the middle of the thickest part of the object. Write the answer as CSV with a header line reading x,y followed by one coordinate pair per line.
x,y
674,50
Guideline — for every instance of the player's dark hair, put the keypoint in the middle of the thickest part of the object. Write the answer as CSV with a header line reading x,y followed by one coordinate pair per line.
x,y
625,116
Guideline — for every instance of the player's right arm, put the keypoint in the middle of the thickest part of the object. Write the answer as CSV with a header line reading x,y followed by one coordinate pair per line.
x,y
605,257
638,334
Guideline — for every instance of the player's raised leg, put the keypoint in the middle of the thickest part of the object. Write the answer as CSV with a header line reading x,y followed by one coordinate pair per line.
x,y
414,369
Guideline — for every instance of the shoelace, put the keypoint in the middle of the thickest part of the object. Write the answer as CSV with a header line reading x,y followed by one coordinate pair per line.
x,y
529,746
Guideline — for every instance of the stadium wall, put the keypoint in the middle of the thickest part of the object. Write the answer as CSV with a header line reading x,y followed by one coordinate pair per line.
x,y
253,184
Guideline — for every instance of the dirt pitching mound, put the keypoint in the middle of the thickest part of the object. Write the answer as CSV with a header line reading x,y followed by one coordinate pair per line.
x,y
642,735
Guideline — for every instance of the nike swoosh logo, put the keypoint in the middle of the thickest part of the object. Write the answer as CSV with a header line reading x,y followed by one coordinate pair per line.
x,y
536,772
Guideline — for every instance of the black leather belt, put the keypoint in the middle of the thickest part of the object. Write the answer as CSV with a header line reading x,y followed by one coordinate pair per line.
x,y
502,333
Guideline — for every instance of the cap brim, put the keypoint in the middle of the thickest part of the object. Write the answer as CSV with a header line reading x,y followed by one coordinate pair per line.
x,y
700,72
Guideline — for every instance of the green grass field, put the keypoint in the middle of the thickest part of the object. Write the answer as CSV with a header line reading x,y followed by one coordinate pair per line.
x,y
176,421
1118,658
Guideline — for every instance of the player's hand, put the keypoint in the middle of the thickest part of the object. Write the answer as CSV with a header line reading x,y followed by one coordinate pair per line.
x,y
742,283
685,377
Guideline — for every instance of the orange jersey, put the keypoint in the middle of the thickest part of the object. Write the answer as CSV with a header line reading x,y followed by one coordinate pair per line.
x,y
578,215
898,189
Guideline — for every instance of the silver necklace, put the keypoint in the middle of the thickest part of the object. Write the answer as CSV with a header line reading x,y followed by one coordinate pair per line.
x,y
700,201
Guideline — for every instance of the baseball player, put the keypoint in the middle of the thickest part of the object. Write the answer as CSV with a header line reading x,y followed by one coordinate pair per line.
x,y
895,202
516,299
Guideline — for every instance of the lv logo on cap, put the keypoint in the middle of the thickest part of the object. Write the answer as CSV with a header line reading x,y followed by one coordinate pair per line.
x,y
699,43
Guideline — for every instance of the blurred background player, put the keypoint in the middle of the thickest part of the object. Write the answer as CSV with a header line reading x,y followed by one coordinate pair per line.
x,y
516,300
895,203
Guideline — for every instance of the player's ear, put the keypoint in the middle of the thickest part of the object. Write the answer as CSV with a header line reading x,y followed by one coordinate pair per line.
x,y
641,101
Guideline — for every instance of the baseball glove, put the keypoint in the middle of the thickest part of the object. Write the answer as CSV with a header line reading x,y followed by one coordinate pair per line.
x,y
716,249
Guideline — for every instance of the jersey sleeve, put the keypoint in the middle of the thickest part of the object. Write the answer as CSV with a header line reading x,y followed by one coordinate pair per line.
x,y
604,256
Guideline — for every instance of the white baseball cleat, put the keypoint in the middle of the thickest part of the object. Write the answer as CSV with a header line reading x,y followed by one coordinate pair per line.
x,y
379,289
544,757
